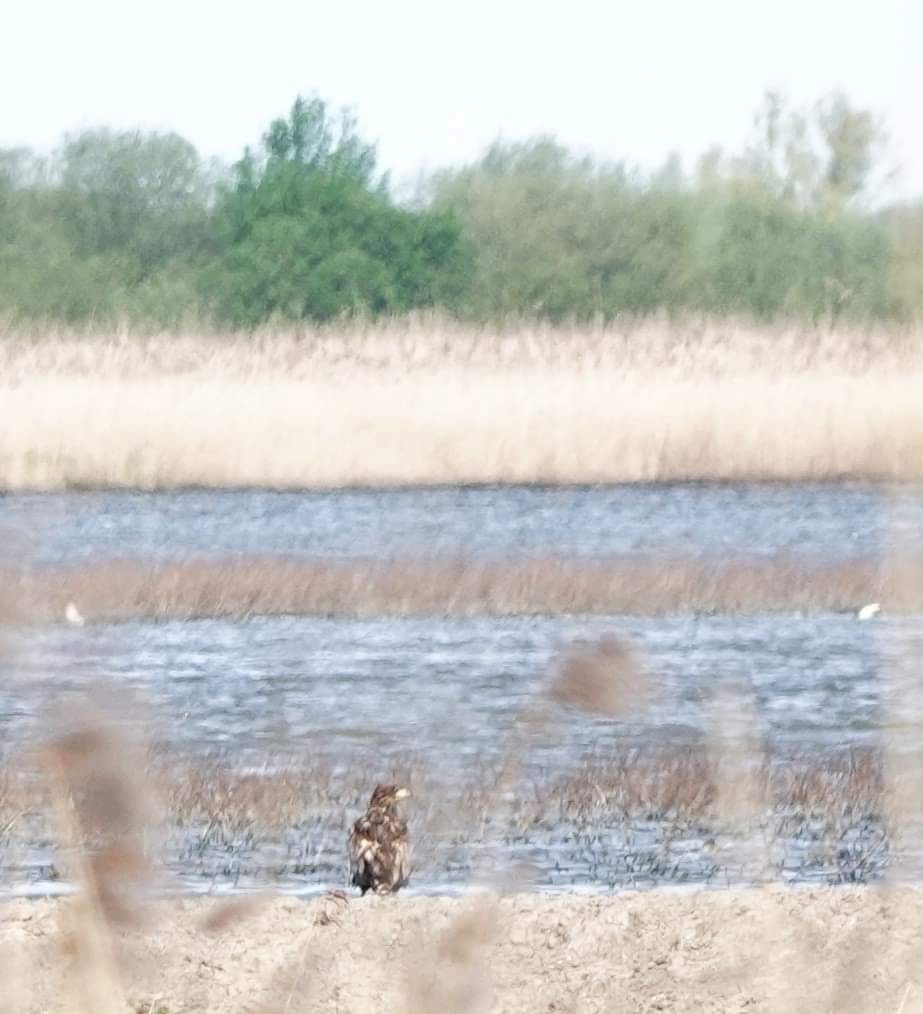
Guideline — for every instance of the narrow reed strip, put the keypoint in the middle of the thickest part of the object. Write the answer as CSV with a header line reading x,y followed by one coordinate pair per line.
x,y
241,586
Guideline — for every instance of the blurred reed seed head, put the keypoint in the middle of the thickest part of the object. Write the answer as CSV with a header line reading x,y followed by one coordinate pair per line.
x,y
103,810
229,914
454,975
604,678
13,607
737,754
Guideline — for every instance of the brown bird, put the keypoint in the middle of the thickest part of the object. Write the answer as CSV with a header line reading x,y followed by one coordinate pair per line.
x,y
379,846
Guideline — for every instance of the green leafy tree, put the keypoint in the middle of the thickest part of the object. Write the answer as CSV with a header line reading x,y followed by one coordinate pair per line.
x,y
820,159
131,226
308,231
770,259
853,139
109,229
558,236
143,196
780,230
904,223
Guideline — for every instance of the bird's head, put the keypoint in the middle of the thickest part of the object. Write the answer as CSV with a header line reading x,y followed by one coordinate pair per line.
x,y
386,796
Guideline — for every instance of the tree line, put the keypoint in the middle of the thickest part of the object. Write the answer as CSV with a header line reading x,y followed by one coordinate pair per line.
x,y
133,227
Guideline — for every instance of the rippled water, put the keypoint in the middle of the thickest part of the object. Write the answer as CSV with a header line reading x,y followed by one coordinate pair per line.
x,y
819,519
441,695
447,689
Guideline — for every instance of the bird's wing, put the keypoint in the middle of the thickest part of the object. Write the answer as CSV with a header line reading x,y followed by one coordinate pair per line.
x,y
363,845
395,852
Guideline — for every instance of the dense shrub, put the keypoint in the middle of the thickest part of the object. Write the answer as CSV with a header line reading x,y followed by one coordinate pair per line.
x,y
307,231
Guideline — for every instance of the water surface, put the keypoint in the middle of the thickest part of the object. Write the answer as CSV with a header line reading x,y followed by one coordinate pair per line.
x,y
821,520
440,695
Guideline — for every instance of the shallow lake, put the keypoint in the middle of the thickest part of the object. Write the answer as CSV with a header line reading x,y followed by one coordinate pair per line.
x,y
441,695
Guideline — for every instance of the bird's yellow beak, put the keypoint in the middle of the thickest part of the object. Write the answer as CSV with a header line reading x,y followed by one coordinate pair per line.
x,y
402,793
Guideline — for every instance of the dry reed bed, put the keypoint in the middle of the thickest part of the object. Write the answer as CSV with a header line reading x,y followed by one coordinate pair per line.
x,y
241,587
457,428
631,782
712,347
432,401
219,822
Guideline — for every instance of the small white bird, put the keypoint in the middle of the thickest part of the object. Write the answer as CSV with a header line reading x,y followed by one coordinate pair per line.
x,y
72,615
867,612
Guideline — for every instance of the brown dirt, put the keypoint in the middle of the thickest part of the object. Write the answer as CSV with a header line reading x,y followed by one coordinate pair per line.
x,y
824,950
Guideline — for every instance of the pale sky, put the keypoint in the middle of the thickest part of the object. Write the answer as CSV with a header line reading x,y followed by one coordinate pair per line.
x,y
433,83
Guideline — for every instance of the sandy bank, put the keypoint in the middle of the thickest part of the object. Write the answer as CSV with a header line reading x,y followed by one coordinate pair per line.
x,y
843,950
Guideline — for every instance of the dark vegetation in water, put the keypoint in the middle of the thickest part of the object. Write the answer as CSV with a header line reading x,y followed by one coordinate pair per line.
x,y
633,818
137,228
88,805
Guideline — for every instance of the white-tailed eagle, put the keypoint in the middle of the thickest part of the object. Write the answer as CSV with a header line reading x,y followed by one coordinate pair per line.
x,y
379,845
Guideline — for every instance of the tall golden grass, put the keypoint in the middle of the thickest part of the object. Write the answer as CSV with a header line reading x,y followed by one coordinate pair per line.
x,y
432,401
705,346
239,587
